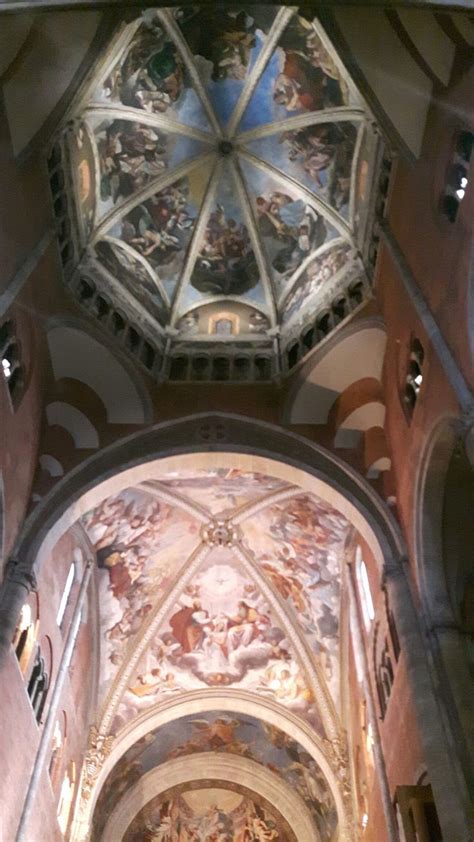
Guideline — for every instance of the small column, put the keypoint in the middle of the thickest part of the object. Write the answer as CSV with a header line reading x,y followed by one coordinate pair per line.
x,y
446,777
18,582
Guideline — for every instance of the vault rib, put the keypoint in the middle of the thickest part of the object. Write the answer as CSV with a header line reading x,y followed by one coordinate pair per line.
x,y
161,492
136,256
254,507
304,654
326,210
264,271
279,24
138,645
330,115
104,67
116,286
176,36
354,170
307,262
196,240
138,115
154,186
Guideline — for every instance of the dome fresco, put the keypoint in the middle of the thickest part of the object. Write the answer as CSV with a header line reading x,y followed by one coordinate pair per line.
x,y
220,160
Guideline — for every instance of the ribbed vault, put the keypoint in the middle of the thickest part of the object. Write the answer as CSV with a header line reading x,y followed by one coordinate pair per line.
x,y
219,583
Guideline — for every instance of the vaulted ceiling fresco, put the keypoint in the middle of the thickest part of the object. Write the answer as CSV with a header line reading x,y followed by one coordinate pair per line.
x,y
220,565
208,812
220,161
220,732
211,581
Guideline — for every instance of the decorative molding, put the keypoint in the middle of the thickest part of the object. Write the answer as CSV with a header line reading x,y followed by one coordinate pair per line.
x,y
98,749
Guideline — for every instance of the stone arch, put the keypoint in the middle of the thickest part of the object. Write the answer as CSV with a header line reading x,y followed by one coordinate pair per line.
x,y
128,461
443,532
78,353
227,769
324,378
428,537
235,702
235,440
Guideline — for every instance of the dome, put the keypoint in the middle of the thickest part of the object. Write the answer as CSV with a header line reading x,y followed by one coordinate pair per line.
x,y
213,187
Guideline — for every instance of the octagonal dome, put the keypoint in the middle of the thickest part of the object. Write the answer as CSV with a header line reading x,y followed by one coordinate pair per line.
x,y
217,168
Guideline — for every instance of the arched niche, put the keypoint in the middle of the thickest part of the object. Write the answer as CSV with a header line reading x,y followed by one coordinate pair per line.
x,y
350,355
77,354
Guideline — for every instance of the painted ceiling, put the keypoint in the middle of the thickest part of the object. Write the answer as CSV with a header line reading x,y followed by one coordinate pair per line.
x,y
216,579
221,160
208,813
218,731
219,582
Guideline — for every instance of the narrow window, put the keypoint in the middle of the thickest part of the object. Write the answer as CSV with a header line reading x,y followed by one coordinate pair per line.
x,y
38,686
364,589
414,376
25,636
66,594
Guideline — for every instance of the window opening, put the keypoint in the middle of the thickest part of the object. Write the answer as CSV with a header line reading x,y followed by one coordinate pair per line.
x,y
364,589
24,637
38,686
66,594
384,678
11,368
457,177
414,376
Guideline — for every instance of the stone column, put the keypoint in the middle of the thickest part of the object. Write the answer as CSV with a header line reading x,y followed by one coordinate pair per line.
x,y
18,582
445,772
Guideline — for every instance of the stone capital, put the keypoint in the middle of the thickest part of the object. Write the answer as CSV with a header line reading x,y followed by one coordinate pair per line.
x,y
17,572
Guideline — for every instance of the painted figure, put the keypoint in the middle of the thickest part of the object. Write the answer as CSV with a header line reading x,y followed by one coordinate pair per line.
x,y
226,263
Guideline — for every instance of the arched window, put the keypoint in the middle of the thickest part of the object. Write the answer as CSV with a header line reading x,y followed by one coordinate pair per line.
x,y
384,677
414,376
25,635
38,685
364,589
11,367
457,175
66,594
66,797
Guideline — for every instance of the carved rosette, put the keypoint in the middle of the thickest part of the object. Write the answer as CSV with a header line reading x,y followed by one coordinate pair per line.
x,y
220,533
